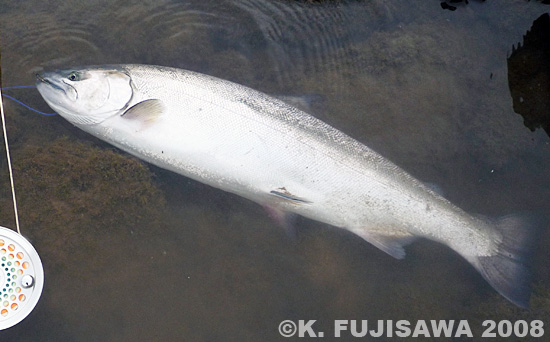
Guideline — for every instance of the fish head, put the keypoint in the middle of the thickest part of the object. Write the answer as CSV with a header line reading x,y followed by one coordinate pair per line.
x,y
86,96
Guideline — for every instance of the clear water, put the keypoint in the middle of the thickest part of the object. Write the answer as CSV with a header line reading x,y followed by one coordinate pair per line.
x,y
135,253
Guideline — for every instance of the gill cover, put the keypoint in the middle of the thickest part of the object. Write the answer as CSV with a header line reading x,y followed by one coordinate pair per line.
x,y
86,96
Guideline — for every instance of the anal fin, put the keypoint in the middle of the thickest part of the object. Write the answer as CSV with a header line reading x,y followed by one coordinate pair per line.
x,y
390,242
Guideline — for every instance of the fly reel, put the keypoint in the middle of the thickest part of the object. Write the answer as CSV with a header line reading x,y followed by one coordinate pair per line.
x,y
21,278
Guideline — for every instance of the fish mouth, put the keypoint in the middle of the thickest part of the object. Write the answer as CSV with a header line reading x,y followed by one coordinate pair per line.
x,y
41,79
45,80
51,80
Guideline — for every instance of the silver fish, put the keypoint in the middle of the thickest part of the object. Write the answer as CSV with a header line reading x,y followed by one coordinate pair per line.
x,y
243,141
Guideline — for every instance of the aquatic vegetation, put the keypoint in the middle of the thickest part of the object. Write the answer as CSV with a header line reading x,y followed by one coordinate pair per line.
x,y
72,195
424,85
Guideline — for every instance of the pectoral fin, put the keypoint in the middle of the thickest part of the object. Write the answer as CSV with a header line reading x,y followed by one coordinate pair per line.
x,y
144,113
390,242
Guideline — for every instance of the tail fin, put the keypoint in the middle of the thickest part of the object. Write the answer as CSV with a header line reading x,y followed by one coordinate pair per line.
x,y
507,270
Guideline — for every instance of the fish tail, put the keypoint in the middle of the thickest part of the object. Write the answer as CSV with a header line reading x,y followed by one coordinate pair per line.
x,y
507,270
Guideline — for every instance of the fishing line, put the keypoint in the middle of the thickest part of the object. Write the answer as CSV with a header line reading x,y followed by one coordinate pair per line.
x,y
21,103
9,163
19,87
21,272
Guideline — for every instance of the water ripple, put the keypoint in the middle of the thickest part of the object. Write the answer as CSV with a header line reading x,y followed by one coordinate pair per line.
x,y
42,40
302,38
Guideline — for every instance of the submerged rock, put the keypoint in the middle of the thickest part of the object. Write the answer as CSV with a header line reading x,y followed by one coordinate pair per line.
x,y
529,75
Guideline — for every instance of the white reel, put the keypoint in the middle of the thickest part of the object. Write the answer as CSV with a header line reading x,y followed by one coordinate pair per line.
x,y
21,278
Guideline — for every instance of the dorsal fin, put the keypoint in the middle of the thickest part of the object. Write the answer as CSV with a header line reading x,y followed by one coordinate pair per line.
x,y
304,102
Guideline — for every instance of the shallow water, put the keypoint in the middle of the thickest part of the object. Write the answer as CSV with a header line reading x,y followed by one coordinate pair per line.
x,y
132,252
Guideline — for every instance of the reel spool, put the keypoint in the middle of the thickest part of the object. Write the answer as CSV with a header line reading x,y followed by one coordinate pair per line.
x,y
21,278
21,272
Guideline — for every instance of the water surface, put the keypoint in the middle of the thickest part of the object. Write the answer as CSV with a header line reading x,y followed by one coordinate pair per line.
x,y
132,252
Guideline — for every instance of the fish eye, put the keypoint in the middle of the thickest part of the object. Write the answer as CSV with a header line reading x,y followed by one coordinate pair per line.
x,y
73,76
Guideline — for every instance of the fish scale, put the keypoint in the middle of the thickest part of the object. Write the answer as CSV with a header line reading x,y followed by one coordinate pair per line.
x,y
246,142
